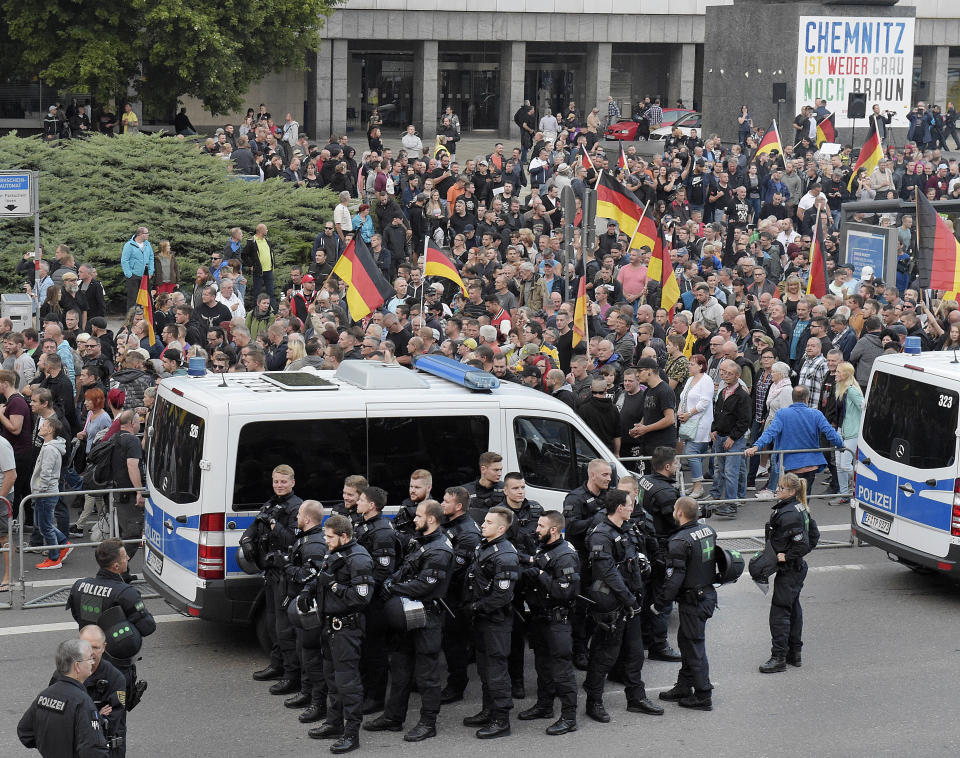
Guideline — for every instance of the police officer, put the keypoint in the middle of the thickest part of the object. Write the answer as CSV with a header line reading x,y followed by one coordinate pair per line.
x,y
353,485
582,508
377,536
421,481
659,496
464,535
788,532
551,585
491,582
691,568
308,550
342,589
117,608
424,575
107,687
616,589
62,721
278,519
487,490
522,534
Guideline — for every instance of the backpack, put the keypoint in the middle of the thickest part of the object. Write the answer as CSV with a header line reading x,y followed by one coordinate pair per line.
x,y
98,473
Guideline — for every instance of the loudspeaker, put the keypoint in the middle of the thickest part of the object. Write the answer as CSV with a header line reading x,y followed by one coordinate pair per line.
x,y
779,92
856,105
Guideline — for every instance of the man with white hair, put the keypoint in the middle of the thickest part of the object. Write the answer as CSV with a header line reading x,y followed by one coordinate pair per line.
x,y
342,219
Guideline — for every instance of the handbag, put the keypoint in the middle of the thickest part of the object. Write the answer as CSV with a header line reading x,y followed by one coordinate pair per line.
x,y
688,429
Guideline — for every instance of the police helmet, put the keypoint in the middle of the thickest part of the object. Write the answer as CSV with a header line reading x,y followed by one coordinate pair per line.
x,y
123,637
729,565
404,615
763,564
247,557
300,620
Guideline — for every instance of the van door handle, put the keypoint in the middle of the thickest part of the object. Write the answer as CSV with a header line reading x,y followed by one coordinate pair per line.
x,y
907,488
931,482
865,461
169,525
181,519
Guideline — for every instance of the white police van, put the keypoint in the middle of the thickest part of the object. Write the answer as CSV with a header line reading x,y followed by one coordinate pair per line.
x,y
214,440
907,475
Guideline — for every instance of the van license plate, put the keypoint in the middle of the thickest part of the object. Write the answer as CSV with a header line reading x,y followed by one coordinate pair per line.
x,y
155,561
877,523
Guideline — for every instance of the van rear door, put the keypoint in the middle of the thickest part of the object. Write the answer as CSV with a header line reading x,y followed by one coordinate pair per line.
x,y
907,469
175,473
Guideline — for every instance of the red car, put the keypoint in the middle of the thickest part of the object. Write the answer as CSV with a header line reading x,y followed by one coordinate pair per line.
x,y
626,130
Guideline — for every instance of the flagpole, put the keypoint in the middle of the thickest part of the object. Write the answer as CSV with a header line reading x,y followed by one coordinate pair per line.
x,y
813,242
586,305
634,236
423,280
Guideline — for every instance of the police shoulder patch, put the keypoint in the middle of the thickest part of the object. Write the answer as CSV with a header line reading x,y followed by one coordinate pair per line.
x,y
363,589
122,697
503,584
431,580
460,559
384,560
669,572
798,538
564,585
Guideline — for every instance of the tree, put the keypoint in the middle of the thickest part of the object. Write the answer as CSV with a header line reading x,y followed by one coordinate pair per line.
x,y
163,48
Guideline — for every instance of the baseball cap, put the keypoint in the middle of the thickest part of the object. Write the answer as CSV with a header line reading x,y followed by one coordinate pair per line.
x,y
98,321
942,167
308,278
470,343
648,363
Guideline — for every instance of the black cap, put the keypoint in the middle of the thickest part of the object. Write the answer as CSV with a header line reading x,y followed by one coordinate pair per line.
x,y
98,321
649,363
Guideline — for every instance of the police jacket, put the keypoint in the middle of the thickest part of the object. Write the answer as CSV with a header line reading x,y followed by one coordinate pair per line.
x,y
522,533
581,509
345,581
307,552
378,537
788,529
691,561
283,511
554,578
492,579
107,686
90,599
464,535
341,509
425,571
614,566
483,498
62,722
659,496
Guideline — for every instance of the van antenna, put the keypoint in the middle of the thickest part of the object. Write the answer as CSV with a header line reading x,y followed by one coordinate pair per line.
x,y
954,356
223,380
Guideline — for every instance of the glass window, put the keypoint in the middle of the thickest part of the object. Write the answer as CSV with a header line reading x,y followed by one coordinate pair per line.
x,y
320,451
552,454
891,428
447,446
175,450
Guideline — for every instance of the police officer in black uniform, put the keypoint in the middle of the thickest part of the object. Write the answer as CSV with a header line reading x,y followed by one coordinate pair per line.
x,y
353,485
342,590
464,535
62,721
691,568
487,490
522,534
491,583
378,537
550,586
421,481
424,575
583,508
107,687
278,519
658,496
117,608
788,532
308,550
617,569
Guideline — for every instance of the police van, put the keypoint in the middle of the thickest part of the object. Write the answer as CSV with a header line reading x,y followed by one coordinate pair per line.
x,y
907,478
214,440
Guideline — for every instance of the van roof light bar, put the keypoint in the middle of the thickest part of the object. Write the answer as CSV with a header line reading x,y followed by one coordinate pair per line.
x,y
461,374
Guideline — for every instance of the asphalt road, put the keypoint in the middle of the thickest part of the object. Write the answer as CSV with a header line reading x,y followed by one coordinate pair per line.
x,y
881,664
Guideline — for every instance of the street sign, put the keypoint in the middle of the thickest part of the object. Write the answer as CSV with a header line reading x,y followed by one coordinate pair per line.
x,y
16,193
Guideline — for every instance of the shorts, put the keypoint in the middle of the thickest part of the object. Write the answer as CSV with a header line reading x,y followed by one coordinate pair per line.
x,y
5,514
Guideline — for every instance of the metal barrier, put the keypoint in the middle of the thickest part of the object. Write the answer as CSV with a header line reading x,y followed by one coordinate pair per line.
x,y
53,599
759,542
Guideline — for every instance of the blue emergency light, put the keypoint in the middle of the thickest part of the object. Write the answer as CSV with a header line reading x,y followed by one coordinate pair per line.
x,y
470,377
911,346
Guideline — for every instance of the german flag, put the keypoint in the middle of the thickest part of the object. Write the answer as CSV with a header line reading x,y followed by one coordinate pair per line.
x,y
870,155
580,313
646,234
143,300
366,287
770,141
616,202
661,270
817,283
622,159
938,254
585,161
435,263
826,130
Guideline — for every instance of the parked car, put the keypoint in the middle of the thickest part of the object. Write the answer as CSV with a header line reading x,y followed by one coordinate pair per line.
x,y
626,130
685,123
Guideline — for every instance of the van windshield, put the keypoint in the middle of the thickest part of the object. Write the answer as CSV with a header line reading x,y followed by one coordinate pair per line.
x,y
175,450
911,422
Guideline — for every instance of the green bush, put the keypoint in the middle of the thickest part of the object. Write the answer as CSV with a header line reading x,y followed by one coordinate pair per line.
x,y
94,193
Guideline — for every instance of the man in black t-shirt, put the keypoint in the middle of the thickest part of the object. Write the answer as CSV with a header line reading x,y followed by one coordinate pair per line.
x,y
126,473
211,313
659,424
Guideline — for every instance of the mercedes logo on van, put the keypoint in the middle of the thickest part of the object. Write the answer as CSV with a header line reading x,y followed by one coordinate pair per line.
x,y
900,451
165,482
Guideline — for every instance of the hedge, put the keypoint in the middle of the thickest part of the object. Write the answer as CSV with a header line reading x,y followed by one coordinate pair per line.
x,y
94,193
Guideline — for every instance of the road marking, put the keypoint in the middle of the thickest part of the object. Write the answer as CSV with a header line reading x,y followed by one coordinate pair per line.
x,y
840,567
63,626
759,533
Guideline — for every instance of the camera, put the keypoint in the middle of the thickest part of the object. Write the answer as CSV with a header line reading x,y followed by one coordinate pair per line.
x,y
706,510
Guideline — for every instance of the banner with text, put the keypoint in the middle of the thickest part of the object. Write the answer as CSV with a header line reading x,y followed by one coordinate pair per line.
x,y
837,56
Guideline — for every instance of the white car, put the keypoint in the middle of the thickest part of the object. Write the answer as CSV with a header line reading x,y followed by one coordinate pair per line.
x,y
684,123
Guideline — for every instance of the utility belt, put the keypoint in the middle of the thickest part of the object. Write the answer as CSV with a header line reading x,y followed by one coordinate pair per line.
x,y
558,615
335,623
609,622
691,595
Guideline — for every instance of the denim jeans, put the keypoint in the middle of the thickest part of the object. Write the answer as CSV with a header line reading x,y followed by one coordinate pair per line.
x,y
696,464
43,508
263,282
726,469
845,461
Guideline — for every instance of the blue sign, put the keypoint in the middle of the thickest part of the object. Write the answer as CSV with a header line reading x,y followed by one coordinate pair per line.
x,y
866,249
14,182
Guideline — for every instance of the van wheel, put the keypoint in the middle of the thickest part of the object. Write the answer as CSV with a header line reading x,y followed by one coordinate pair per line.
x,y
260,629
